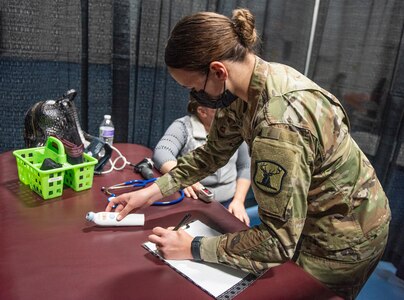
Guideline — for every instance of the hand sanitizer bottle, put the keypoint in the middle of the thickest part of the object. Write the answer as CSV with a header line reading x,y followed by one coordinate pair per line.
x,y
109,219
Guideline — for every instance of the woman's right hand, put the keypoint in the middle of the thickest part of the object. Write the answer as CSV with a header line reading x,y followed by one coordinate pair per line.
x,y
133,201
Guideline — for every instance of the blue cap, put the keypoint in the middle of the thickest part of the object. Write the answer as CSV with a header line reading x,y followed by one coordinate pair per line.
x,y
90,216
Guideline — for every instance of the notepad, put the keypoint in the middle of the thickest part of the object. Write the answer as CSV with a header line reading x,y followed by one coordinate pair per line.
x,y
221,282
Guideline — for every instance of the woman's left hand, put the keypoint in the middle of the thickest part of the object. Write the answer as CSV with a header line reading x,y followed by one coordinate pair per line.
x,y
238,210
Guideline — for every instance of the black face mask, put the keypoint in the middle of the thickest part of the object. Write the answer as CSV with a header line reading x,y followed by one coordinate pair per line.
x,y
224,100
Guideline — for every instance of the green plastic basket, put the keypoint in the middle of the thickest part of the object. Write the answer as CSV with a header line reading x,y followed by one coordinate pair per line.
x,y
80,177
49,184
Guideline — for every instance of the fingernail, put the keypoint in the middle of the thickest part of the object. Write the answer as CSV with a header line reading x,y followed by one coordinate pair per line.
x,y
119,217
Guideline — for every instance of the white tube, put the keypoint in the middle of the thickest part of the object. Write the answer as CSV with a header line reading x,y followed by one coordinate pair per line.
x,y
109,219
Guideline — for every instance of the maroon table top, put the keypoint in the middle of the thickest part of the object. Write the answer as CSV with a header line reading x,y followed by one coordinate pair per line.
x,y
49,251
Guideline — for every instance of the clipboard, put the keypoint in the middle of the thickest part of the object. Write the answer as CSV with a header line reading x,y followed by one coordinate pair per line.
x,y
219,281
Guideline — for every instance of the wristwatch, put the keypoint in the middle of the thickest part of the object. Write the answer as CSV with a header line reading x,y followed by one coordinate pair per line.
x,y
196,248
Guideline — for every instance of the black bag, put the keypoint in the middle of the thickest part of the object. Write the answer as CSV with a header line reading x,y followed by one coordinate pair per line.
x,y
59,118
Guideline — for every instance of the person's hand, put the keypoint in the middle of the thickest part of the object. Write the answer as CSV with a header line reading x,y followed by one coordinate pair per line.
x,y
238,210
172,244
125,203
191,191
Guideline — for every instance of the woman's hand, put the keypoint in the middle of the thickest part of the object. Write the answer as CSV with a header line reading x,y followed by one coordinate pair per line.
x,y
172,244
238,210
133,201
191,191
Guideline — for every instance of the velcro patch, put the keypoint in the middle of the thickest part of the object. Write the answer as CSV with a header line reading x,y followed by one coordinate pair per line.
x,y
269,176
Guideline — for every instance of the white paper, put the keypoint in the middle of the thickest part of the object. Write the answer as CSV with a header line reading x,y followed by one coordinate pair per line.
x,y
213,278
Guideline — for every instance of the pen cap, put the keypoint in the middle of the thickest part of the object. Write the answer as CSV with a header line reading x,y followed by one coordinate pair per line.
x,y
90,216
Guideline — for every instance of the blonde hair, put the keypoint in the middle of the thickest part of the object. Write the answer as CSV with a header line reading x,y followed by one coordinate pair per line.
x,y
199,39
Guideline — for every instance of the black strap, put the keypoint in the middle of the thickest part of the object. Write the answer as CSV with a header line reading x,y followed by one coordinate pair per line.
x,y
196,248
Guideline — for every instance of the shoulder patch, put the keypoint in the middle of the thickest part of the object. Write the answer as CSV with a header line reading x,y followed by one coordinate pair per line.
x,y
269,176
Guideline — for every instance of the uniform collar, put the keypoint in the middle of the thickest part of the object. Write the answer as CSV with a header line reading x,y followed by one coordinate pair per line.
x,y
257,84
198,130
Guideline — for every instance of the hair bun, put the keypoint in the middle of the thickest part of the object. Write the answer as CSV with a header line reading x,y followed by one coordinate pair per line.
x,y
244,26
192,105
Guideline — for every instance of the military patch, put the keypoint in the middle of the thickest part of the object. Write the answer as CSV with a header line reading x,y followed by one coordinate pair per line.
x,y
269,176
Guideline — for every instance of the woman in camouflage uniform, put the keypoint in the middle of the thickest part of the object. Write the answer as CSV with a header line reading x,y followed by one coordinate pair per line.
x,y
320,202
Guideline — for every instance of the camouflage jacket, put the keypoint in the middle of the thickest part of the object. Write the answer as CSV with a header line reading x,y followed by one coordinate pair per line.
x,y
311,181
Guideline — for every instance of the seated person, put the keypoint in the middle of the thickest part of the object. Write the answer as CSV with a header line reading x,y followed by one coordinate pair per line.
x,y
230,183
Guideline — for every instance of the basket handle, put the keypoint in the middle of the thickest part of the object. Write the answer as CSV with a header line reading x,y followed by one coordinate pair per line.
x,y
55,146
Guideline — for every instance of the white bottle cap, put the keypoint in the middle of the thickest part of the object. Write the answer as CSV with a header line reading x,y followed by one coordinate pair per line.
x,y
90,216
108,117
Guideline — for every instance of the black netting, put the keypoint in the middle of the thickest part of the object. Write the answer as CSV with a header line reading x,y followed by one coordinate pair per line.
x,y
111,52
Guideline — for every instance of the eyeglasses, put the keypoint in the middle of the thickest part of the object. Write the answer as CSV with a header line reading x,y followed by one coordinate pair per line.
x,y
204,85
223,100
201,94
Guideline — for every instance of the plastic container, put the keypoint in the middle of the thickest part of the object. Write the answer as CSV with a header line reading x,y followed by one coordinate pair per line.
x,y
49,184
109,219
107,130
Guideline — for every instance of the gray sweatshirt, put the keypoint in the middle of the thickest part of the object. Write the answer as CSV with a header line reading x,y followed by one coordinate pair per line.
x,y
186,134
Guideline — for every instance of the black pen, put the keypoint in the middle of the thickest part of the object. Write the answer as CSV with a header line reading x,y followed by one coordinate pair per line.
x,y
182,222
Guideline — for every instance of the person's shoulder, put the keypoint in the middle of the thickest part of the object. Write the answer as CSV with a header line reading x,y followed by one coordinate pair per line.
x,y
283,79
284,71
275,68
183,120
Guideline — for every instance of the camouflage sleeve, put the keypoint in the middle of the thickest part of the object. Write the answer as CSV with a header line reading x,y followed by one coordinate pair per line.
x,y
281,160
223,140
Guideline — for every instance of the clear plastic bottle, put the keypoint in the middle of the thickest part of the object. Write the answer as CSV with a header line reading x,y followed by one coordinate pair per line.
x,y
107,130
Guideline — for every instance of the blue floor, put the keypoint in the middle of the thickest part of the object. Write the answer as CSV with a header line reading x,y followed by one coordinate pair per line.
x,y
382,284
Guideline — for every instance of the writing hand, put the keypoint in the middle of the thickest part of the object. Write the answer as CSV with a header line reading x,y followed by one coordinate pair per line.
x,y
172,244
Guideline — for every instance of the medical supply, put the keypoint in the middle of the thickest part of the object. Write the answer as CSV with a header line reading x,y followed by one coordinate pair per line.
x,y
49,183
109,219
138,183
145,168
205,194
74,153
107,130
49,164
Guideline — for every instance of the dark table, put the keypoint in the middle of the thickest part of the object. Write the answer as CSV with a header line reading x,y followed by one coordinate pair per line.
x,y
49,251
